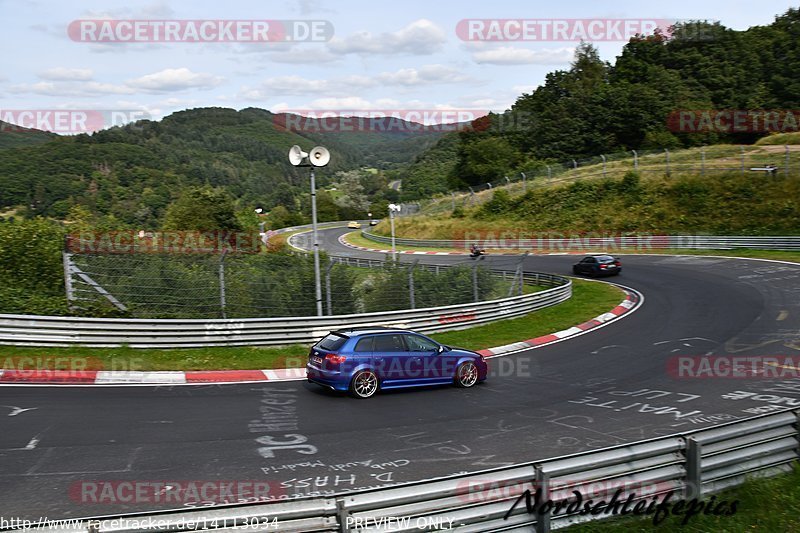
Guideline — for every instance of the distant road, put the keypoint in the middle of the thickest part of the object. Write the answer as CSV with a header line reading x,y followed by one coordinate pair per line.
x,y
395,184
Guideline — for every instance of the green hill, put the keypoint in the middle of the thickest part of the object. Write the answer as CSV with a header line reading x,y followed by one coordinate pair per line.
x,y
13,136
134,172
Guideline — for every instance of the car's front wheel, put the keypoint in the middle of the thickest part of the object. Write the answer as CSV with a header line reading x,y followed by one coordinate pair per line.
x,y
364,384
466,375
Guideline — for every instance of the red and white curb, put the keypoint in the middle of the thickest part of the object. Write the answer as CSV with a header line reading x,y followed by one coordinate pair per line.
x,y
343,242
633,300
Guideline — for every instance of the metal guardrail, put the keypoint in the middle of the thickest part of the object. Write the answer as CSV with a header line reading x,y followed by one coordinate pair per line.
x,y
573,242
35,330
692,464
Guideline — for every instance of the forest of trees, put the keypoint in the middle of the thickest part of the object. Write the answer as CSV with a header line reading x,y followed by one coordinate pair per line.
x,y
596,107
128,176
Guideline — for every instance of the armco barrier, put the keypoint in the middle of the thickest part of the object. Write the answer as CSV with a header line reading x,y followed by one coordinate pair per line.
x,y
642,242
33,330
691,465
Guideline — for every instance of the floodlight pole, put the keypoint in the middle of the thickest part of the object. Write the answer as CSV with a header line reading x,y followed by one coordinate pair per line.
x,y
317,277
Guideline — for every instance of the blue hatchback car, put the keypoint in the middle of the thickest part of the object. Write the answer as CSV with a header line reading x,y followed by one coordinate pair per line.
x,y
365,360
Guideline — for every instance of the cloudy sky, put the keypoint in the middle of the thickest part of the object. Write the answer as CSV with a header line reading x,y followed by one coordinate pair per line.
x,y
381,55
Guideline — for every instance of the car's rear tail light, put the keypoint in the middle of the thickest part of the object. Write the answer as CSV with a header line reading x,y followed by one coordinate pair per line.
x,y
603,266
617,263
335,359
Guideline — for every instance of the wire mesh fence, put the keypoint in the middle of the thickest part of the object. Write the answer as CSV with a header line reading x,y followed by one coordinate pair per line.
x,y
230,285
760,162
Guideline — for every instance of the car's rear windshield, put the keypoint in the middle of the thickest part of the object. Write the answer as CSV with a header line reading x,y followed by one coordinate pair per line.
x,y
332,342
605,259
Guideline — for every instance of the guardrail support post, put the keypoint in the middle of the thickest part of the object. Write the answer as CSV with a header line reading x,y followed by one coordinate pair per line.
x,y
341,516
635,160
604,164
694,478
524,183
574,164
542,482
549,172
666,155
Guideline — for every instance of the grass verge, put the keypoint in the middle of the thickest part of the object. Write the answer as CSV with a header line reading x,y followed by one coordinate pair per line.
x,y
764,505
589,300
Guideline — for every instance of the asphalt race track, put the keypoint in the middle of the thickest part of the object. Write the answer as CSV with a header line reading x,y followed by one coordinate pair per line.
x,y
607,387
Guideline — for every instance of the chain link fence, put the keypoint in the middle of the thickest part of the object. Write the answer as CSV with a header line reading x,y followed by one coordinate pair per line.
x,y
262,285
758,161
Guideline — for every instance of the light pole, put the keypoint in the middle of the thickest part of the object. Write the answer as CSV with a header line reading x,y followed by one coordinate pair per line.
x,y
393,208
318,157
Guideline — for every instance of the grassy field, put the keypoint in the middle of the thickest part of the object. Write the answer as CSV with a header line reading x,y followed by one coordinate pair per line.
x,y
765,505
672,192
589,300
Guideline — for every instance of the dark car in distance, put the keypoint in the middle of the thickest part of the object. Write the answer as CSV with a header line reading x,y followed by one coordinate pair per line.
x,y
597,265
365,360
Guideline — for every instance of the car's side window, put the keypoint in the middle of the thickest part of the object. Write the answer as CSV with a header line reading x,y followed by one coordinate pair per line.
x,y
420,344
364,345
586,260
389,343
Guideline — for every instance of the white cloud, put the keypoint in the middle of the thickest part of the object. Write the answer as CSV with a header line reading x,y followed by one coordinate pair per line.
x,y
71,89
509,55
174,79
421,37
66,74
426,75
297,85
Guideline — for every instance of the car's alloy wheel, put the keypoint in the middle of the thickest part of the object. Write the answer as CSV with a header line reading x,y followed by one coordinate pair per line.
x,y
364,384
466,374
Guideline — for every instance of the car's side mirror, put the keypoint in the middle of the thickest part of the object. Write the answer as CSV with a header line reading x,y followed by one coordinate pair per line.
x,y
440,349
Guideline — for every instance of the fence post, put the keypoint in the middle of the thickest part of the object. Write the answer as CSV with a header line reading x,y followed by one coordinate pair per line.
x,y
521,270
475,296
542,481
222,284
694,479
328,299
574,165
703,161
66,258
635,160
453,197
549,172
786,170
742,160
524,183
489,184
411,284
666,155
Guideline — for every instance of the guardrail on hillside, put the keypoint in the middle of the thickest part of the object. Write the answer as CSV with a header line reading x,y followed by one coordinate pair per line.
x,y
641,242
33,330
692,464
